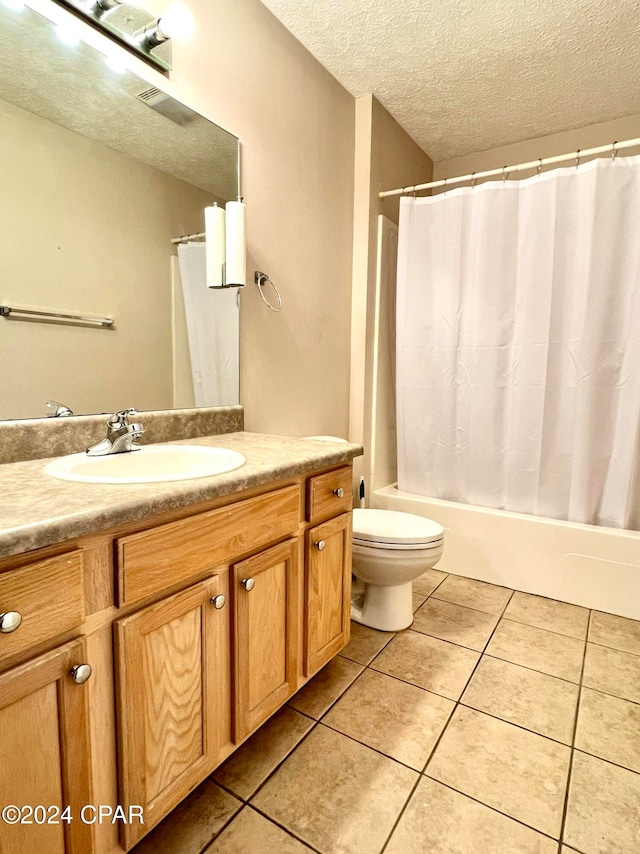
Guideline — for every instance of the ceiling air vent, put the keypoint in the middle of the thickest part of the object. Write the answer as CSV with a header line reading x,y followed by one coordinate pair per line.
x,y
166,106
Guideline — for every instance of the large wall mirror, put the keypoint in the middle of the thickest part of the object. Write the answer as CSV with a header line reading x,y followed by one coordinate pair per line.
x,y
100,171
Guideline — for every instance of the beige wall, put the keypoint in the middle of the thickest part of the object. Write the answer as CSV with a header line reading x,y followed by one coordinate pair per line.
x,y
296,124
590,136
115,262
386,156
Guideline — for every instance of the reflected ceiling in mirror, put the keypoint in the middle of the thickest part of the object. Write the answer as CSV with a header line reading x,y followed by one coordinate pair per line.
x,y
100,172
74,86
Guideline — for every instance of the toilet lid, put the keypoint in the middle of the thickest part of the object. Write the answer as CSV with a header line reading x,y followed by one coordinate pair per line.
x,y
393,527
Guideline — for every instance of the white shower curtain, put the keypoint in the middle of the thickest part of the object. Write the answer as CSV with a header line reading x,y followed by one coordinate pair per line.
x,y
518,344
213,329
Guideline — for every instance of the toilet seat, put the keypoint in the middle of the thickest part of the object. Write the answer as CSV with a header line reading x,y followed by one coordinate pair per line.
x,y
391,529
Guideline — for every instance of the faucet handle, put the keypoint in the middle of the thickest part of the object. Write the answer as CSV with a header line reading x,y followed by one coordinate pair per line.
x,y
121,418
54,409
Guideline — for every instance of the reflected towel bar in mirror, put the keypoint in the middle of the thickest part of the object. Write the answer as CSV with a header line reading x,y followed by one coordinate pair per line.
x,y
41,316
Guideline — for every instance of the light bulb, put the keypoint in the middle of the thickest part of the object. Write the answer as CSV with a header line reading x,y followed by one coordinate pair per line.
x,y
177,22
116,64
67,35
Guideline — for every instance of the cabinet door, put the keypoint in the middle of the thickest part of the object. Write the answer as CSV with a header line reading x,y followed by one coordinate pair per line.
x,y
266,635
328,591
45,752
173,672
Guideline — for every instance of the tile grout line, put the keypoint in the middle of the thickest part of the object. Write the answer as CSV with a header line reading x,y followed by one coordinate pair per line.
x,y
369,747
565,810
541,629
246,802
316,723
514,724
460,605
382,648
286,830
470,648
532,669
493,809
226,823
615,648
457,703
422,773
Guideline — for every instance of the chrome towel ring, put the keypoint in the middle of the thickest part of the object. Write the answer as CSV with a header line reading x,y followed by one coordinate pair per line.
x,y
261,279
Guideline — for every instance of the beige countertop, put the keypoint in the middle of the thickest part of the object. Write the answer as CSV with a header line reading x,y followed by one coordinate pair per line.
x,y
37,510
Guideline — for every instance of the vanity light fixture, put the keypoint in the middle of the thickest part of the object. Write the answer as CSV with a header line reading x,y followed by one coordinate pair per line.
x,y
138,30
175,23
101,7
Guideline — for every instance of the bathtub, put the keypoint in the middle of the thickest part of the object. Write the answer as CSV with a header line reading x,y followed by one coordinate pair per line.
x,y
582,564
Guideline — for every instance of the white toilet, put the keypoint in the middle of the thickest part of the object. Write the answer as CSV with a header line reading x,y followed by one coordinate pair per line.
x,y
390,550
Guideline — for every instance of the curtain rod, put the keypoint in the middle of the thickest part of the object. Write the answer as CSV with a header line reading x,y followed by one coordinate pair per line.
x,y
520,167
188,237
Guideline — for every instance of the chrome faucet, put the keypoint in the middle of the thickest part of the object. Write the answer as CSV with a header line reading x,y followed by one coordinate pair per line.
x,y
56,410
120,435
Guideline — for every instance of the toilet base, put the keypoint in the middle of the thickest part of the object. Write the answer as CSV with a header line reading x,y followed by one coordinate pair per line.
x,y
388,609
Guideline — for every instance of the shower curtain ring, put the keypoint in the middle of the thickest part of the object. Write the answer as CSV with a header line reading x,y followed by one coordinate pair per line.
x,y
614,150
539,167
577,158
444,189
505,174
474,181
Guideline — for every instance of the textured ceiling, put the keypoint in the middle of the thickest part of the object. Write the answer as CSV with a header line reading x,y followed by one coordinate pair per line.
x,y
468,75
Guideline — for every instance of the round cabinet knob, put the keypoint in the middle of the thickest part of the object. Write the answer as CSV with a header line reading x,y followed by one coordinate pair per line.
x,y
339,492
248,584
9,622
320,545
80,673
218,601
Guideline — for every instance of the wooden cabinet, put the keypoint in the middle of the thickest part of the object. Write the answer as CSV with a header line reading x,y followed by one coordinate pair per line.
x,y
180,551
45,753
47,596
327,591
329,494
265,634
173,678
200,627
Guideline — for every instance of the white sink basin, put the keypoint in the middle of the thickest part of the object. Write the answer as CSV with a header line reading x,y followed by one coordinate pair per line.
x,y
151,464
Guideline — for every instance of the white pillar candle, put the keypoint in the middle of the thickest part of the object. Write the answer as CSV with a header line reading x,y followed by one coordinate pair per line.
x,y
236,257
215,231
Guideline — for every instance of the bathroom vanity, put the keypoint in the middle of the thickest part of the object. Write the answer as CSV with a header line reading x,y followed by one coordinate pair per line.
x,y
200,607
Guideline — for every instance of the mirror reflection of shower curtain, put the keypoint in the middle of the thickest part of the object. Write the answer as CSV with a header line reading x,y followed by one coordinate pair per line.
x,y
518,344
213,327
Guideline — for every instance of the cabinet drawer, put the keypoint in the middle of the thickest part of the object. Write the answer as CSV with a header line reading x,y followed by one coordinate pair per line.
x,y
49,596
182,551
323,494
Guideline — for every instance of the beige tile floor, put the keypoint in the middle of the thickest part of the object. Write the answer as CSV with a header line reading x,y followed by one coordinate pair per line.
x,y
500,723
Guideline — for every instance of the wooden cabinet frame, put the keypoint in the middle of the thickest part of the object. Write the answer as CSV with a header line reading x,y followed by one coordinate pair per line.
x,y
71,705
327,592
268,612
165,753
